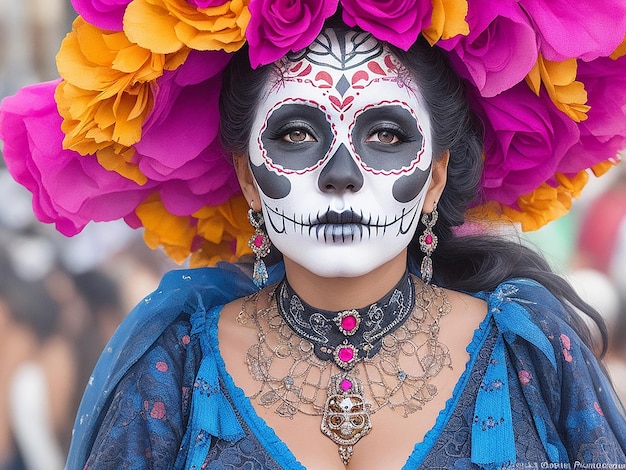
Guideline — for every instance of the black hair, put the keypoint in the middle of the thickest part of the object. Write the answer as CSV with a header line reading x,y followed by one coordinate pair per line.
x,y
463,263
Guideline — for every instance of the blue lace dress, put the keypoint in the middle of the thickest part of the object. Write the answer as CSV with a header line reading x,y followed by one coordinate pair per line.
x,y
532,395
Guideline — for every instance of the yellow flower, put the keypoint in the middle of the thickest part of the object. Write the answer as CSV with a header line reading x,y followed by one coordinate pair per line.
x,y
448,20
212,234
106,95
166,26
559,79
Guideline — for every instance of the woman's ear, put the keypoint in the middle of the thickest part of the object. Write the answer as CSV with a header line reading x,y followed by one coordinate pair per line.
x,y
246,181
438,182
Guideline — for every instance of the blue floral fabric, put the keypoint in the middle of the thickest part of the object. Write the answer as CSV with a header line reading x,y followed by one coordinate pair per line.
x,y
160,396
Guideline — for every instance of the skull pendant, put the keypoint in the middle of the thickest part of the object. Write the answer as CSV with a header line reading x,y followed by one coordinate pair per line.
x,y
346,416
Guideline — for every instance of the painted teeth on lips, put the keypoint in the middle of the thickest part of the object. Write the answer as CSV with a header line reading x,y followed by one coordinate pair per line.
x,y
345,232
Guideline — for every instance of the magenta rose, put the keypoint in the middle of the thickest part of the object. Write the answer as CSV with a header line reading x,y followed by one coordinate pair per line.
x,y
603,134
526,137
68,189
500,49
214,184
201,65
180,147
585,30
105,14
279,26
398,22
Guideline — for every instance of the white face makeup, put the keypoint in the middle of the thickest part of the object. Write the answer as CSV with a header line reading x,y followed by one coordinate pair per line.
x,y
341,153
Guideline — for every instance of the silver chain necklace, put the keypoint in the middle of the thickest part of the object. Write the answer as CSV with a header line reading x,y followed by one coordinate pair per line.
x,y
293,379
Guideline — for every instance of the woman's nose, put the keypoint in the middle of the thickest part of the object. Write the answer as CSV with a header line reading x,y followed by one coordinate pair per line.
x,y
341,173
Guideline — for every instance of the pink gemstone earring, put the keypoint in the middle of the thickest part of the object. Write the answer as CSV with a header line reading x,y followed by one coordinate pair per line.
x,y
260,244
428,243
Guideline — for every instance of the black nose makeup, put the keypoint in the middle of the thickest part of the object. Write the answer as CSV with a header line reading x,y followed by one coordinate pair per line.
x,y
341,173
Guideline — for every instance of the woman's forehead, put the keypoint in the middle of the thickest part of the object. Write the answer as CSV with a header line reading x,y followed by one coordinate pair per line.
x,y
340,63
340,49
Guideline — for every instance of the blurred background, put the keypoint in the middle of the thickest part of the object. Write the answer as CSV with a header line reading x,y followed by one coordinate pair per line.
x,y
61,299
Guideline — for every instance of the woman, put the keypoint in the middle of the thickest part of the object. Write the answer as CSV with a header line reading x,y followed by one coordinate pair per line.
x,y
380,324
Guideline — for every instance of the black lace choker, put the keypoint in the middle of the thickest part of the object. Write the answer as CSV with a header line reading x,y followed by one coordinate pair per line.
x,y
347,336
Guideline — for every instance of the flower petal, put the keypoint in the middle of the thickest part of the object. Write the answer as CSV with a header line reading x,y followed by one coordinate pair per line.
x,y
279,26
500,49
584,30
398,22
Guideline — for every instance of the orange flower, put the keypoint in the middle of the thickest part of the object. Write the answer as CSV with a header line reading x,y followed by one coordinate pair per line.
x,y
620,51
228,220
547,203
106,94
165,26
174,233
448,20
212,234
602,167
559,79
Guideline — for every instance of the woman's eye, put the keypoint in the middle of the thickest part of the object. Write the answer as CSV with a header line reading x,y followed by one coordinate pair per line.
x,y
297,136
384,136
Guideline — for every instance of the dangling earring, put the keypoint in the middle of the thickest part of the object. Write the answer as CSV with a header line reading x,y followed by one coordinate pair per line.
x,y
428,243
260,244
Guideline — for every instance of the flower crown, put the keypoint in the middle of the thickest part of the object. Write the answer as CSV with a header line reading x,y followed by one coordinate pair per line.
x,y
131,130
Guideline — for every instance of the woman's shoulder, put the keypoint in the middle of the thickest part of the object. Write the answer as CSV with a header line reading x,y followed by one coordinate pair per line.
x,y
529,315
526,299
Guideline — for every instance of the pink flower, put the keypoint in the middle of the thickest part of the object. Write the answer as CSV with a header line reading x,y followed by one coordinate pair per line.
x,y
105,14
162,366
277,27
567,356
525,139
158,410
398,22
603,134
524,377
200,66
585,30
596,406
68,189
500,49
565,341
197,173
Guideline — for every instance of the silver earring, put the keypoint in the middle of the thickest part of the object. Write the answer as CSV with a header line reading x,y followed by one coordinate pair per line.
x,y
428,243
260,244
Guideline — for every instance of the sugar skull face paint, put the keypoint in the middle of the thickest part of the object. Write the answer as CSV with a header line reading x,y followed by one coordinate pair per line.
x,y
341,154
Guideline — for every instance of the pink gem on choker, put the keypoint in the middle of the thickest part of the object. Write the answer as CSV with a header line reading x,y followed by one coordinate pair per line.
x,y
348,321
347,336
345,355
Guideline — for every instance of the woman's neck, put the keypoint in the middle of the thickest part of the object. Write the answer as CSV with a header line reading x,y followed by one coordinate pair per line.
x,y
340,293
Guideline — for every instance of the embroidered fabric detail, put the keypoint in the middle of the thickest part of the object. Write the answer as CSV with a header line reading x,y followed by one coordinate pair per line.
x,y
246,453
452,449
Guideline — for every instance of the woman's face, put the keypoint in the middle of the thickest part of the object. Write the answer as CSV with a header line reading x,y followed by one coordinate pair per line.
x,y
341,153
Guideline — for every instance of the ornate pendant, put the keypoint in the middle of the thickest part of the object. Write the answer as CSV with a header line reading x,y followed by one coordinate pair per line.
x,y
346,417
